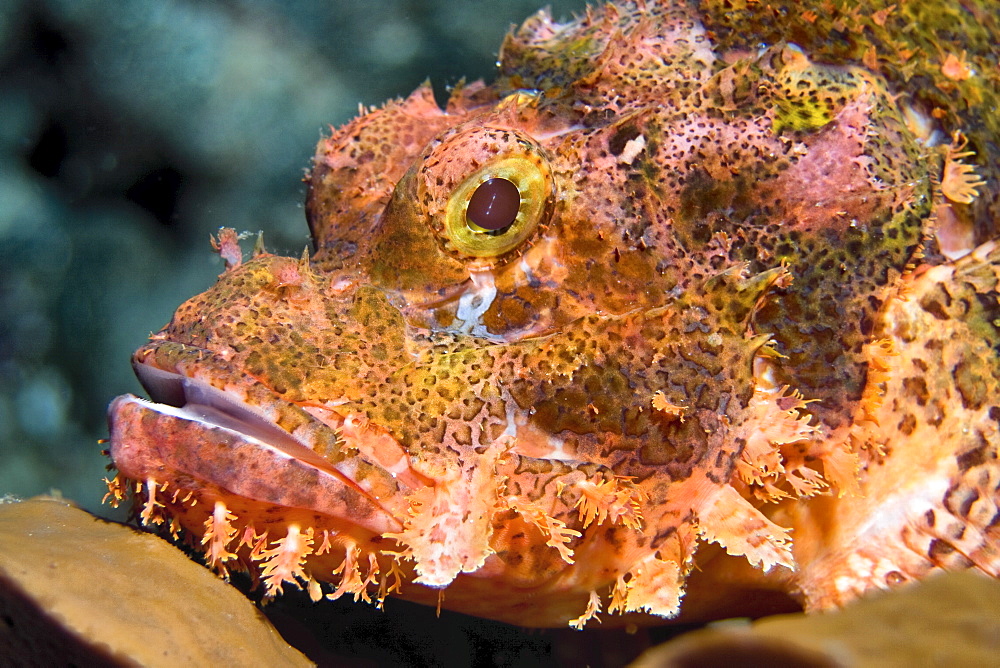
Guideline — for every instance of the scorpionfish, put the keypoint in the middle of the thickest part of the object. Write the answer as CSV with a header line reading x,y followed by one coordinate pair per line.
x,y
693,310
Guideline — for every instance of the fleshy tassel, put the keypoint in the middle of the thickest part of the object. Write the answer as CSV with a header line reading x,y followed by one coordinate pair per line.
x,y
654,586
384,588
555,529
117,490
960,182
285,562
729,520
219,533
151,509
350,576
609,499
593,607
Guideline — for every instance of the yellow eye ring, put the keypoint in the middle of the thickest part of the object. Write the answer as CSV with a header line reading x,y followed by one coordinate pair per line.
x,y
502,161
471,239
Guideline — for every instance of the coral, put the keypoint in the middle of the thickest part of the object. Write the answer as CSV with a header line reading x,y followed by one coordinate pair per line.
x,y
949,620
76,589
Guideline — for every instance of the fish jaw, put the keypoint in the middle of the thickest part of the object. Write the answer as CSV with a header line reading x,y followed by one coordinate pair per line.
x,y
205,464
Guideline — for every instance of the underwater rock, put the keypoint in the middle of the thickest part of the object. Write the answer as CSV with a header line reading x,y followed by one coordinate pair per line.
x,y
76,589
951,619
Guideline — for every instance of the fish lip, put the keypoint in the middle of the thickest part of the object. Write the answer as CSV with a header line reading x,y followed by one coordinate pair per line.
x,y
199,400
183,397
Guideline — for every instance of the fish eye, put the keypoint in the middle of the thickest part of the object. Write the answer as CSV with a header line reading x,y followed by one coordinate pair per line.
x,y
494,211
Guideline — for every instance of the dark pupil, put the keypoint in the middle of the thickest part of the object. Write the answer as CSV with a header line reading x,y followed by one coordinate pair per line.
x,y
494,205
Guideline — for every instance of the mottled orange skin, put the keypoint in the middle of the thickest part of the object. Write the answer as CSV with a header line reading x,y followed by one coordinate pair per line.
x,y
750,301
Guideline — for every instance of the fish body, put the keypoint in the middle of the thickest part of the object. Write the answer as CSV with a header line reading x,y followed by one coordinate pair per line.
x,y
694,309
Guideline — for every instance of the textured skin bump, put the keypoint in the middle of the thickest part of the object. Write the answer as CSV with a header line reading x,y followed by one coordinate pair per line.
x,y
737,346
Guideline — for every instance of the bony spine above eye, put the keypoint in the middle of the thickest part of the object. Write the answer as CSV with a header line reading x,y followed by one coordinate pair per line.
x,y
486,192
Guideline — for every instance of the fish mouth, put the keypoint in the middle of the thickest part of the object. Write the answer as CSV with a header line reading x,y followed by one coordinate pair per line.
x,y
192,433
199,401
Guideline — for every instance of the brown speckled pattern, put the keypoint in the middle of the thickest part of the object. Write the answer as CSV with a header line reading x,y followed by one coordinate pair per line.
x,y
723,315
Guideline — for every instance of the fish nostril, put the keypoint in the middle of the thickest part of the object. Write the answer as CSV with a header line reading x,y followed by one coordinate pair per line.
x,y
162,386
